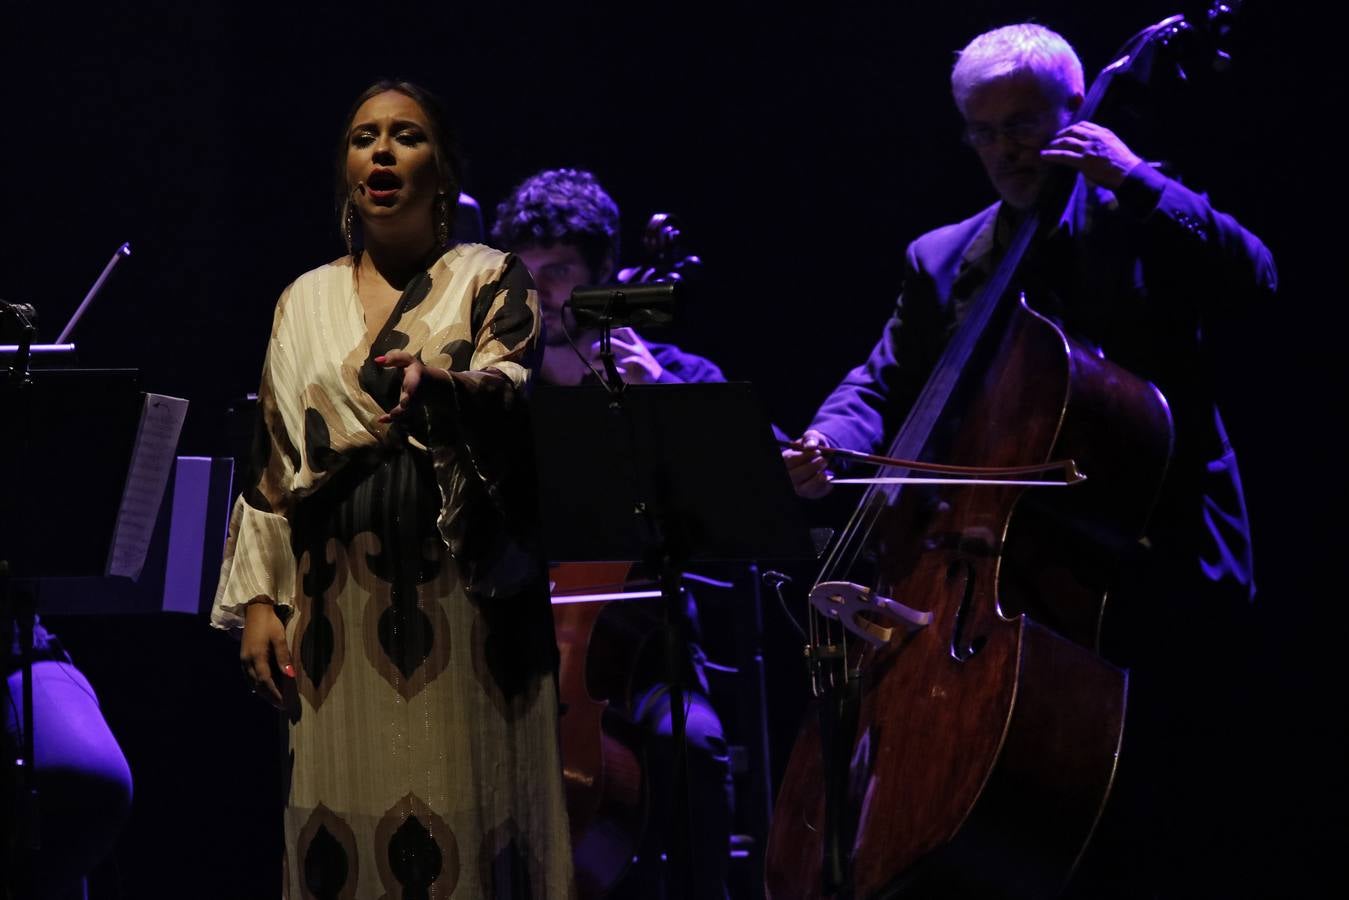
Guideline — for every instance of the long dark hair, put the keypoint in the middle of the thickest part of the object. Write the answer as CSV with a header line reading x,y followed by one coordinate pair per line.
x,y
444,142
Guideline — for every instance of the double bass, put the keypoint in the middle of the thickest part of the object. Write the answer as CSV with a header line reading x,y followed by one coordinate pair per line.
x,y
966,728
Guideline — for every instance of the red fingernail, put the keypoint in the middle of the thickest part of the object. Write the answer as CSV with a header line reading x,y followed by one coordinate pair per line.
x,y
289,670
379,360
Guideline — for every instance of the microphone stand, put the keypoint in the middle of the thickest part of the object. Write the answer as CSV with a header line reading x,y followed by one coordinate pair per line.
x,y
21,604
23,352
665,558
667,554
615,381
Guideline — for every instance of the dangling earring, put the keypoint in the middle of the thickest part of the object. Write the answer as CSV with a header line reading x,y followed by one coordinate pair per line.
x,y
442,214
348,223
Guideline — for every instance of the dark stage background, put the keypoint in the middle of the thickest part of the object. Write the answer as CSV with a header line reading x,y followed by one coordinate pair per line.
x,y
802,150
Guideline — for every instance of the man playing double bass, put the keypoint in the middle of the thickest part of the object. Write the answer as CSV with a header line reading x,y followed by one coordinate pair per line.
x,y
1138,266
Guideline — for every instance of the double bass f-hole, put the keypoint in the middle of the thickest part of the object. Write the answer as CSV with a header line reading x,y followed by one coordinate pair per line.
x,y
962,571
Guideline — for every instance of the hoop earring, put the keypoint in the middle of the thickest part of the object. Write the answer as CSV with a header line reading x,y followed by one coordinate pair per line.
x,y
442,216
348,223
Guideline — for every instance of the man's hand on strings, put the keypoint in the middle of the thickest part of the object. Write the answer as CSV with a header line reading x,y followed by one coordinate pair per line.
x,y
1094,150
808,468
417,378
632,357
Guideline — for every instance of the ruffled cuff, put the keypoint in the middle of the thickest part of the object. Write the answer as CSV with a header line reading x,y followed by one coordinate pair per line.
x,y
258,564
481,447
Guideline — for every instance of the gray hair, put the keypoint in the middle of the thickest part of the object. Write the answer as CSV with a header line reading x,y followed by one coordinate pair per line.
x,y
1011,49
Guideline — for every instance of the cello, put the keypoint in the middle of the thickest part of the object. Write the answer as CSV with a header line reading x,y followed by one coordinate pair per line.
x,y
967,729
599,639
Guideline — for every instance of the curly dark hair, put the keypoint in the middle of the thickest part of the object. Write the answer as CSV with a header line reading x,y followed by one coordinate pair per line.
x,y
444,141
560,206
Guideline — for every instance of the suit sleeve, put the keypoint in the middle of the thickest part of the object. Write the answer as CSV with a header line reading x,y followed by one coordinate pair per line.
x,y
870,402
1233,268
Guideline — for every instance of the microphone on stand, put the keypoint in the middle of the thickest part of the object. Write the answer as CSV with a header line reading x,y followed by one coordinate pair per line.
x,y
24,317
17,319
24,313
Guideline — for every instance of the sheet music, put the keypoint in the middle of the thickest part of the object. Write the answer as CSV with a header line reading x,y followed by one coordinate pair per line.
x,y
151,461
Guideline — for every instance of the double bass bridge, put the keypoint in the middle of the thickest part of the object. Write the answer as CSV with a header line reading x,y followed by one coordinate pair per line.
x,y
842,601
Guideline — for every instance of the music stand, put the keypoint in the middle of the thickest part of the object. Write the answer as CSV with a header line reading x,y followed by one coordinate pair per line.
x,y
67,459
667,474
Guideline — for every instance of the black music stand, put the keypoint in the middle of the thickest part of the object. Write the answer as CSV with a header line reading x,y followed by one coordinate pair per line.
x,y
666,474
62,472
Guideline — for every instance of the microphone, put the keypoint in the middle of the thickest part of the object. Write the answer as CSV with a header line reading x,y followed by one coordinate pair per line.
x,y
18,321
637,305
24,312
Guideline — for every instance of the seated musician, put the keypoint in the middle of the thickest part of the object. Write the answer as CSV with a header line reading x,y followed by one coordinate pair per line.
x,y
565,228
83,781
1140,266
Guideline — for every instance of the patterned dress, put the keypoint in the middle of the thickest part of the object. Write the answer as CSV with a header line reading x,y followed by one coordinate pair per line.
x,y
423,754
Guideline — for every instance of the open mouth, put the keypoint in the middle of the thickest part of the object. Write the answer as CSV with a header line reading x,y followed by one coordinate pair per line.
x,y
382,185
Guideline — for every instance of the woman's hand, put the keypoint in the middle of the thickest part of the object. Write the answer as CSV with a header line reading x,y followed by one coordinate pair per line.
x,y
264,640
414,376
809,468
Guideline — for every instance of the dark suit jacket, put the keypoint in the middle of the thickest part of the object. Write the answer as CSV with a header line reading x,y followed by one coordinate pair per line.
x,y
1140,273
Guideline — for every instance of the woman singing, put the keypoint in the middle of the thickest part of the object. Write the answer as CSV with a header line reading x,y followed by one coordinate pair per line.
x,y
381,563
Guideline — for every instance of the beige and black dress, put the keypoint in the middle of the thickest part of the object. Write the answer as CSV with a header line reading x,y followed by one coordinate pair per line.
x,y
423,742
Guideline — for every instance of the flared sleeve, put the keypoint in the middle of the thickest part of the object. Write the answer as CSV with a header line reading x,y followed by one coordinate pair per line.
x,y
259,564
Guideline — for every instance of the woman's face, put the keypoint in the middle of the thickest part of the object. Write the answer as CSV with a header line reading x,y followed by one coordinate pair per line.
x,y
391,161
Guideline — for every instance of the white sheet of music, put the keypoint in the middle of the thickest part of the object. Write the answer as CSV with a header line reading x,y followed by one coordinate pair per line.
x,y
151,462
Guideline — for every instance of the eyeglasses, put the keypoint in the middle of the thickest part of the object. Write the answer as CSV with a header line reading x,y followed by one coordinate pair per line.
x,y
1027,130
